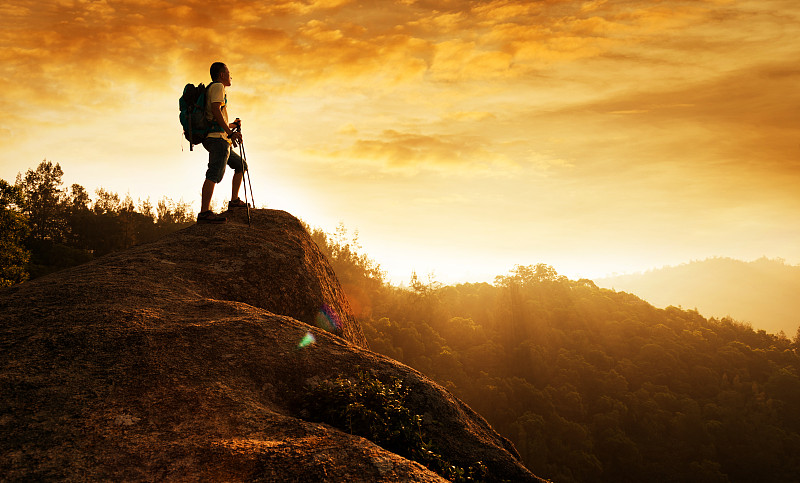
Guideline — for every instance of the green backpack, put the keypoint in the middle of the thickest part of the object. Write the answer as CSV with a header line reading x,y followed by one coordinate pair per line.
x,y
193,119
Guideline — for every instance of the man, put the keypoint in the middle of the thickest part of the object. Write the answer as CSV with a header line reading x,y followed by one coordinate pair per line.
x,y
218,144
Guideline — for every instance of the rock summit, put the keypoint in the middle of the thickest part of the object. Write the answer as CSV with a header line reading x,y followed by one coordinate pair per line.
x,y
182,359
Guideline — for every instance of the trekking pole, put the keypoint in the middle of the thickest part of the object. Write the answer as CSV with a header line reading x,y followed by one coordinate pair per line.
x,y
249,179
244,172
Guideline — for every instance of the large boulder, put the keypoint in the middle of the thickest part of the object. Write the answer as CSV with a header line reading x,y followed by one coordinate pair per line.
x,y
182,360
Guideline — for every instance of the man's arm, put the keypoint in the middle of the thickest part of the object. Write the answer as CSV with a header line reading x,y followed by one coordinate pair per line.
x,y
216,111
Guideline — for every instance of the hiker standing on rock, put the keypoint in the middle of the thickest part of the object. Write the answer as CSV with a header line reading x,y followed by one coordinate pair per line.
x,y
218,144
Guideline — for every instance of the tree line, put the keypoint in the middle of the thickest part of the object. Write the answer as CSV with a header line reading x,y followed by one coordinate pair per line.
x,y
591,384
45,226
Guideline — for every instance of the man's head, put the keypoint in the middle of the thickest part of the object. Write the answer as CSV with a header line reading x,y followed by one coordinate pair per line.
x,y
220,73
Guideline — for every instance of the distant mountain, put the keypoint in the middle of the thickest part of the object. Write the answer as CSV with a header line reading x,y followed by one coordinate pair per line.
x,y
764,292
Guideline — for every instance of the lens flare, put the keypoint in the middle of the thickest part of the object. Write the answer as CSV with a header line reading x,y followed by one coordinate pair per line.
x,y
308,339
328,319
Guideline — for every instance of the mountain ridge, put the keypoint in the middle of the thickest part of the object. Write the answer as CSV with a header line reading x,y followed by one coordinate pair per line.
x,y
762,292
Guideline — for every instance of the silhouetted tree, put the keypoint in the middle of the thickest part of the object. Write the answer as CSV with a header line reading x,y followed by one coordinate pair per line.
x,y
361,278
79,217
44,201
13,231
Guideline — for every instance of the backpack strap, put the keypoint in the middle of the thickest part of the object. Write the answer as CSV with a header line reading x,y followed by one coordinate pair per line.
x,y
214,127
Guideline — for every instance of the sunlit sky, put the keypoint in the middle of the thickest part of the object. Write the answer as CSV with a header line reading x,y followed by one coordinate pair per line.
x,y
459,138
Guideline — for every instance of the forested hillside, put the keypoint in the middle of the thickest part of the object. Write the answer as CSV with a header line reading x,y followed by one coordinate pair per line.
x,y
592,384
763,292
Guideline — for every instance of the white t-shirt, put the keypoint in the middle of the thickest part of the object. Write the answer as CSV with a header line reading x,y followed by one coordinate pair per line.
x,y
216,93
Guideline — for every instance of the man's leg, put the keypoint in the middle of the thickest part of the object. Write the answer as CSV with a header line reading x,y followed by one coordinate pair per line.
x,y
207,193
236,183
239,167
218,150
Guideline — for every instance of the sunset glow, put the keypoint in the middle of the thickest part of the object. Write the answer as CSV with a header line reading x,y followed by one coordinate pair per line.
x,y
459,138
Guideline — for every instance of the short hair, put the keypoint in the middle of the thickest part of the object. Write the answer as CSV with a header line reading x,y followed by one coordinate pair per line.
x,y
216,70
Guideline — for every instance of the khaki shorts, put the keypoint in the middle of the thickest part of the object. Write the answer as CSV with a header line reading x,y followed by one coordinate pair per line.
x,y
220,154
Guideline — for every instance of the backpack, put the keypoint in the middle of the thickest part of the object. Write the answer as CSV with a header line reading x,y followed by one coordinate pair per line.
x,y
192,105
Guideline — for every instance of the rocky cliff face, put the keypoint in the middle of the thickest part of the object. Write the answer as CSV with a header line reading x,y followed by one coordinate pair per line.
x,y
181,360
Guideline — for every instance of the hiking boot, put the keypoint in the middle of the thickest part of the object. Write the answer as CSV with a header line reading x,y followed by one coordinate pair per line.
x,y
237,203
211,218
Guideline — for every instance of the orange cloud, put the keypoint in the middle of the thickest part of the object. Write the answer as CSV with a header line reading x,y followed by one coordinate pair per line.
x,y
404,150
453,41
412,67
